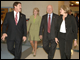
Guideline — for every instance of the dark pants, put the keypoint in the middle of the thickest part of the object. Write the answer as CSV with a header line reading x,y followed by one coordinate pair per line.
x,y
15,48
65,51
49,46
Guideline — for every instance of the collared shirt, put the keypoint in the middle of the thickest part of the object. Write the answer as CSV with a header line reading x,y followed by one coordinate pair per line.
x,y
1,21
17,16
62,27
50,17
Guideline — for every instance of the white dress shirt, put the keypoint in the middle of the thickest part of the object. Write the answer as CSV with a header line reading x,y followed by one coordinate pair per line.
x,y
1,21
17,16
62,27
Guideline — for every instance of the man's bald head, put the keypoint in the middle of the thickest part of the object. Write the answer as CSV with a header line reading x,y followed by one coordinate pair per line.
x,y
49,9
50,6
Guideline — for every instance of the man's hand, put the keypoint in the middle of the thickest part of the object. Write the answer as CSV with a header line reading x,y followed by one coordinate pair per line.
x,y
75,43
3,36
24,38
56,40
40,37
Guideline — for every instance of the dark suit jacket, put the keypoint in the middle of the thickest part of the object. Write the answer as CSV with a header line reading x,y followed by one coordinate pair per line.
x,y
43,26
71,27
13,30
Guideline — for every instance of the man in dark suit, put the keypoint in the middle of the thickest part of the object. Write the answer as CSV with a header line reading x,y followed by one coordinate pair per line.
x,y
48,24
16,31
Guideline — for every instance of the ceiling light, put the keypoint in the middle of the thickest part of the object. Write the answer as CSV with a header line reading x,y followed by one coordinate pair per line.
x,y
72,4
77,2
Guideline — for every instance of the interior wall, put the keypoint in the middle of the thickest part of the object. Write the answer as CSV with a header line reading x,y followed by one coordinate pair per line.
x,y
60,3
74,8
27,6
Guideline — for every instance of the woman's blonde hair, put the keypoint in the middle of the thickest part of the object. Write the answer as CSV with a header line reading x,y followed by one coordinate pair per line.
x,y
66,8
36,10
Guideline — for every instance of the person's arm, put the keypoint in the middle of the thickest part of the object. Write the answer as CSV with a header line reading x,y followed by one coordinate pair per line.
x,y
56,28
56,31
25,27
39,22
5,24
41,28
74,28
29,25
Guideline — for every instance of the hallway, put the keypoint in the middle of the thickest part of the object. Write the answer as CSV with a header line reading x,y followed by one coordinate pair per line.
x,y
41,54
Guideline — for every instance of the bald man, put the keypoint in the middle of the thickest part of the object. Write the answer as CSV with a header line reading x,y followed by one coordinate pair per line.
x,y
47,28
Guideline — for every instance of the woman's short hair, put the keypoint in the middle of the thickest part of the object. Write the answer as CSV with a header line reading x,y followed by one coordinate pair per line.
x,y
66,8
36,10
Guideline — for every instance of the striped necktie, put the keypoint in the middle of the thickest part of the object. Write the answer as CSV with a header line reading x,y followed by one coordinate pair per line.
x,y
16,18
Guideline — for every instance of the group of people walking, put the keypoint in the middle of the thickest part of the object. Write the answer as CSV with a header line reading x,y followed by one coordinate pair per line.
x,y
51,28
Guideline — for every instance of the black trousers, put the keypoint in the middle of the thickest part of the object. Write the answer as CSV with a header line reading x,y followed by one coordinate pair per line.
x,y
49,45
64,46
15,48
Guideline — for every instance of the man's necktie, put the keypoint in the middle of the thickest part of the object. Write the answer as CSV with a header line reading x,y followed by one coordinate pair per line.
x,y
49,24
16,19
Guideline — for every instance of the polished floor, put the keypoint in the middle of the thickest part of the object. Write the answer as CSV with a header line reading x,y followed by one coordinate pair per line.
x,y
41,54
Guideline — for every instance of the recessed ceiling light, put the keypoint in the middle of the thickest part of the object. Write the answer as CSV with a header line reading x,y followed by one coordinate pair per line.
x,y
77,2
72,4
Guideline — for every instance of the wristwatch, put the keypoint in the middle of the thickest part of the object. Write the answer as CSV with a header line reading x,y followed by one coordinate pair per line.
x,y
75,39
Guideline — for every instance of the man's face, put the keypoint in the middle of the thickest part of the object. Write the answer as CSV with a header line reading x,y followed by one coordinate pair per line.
x,y
18,7
49,9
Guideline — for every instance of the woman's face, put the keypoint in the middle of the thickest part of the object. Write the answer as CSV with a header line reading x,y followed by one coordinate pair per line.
x,y
62,11
35,12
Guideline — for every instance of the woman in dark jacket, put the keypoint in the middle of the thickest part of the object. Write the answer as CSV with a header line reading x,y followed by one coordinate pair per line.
x,y
66,32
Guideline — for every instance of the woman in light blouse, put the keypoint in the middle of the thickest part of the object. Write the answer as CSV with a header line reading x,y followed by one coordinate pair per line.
x,y
34,25
65,32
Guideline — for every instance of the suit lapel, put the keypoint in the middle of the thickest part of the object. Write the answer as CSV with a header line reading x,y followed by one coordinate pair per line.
x,y
61,19
53,19
20,15
46,20
13,17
